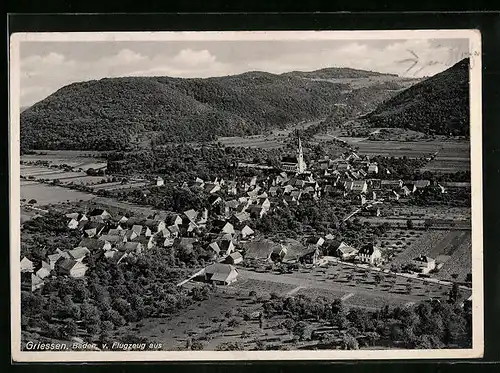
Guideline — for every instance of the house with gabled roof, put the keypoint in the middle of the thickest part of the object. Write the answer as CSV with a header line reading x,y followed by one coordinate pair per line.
x,y
174,219
370,254
391,184
315,240
72,224
94,228
214,247
222,227
43,271
137,228
220,274
345,251
71,267
155,226
99,215
146,241
191,215
36,282
424,263
211,187
78,253
112,239
174,230
246,232
26,265
94,244
131,247
234,258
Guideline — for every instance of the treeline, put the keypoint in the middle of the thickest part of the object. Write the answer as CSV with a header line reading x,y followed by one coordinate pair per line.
x,y
426,325
185,162
107,114
111,297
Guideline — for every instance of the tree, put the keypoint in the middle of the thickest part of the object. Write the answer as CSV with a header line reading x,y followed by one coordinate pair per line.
x,y
409,224
299,330
372,337
349,342
454,294
32,201
378,278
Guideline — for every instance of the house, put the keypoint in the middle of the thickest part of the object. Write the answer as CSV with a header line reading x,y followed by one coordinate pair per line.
x,y
246,232
273,191
44,270
259,250
137,228
373,168
220,226
421,184
371,211
131,235
73,224
99,215
345,252
112,239
279,252
131,247
394,196
226,247
191,215
234,258
160,181
214,200
424,263
214,247
343,166
314,240
146,241
311,256
71,268
240,218
391,184
26,265
166,242
52,259
359,186
187,243
78,253
404,191
110,253
173,220
211,187
220,274
203,218
370,254
376,184
119,231
174,230
77,216
411,187
36,282
94,228
232,204
256,211
123,219
119,256
154,225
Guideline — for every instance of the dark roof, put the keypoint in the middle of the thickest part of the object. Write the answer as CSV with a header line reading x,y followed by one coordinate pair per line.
x,y
289,159
97,212
367,249
423,259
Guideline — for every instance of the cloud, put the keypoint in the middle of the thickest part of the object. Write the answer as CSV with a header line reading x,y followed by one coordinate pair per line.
x,y
46,71
193,58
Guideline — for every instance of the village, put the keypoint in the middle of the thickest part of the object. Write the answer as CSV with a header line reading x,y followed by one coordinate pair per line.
x,y
226,231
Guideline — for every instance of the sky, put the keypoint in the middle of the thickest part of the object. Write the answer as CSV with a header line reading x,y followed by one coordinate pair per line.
x,y
46,66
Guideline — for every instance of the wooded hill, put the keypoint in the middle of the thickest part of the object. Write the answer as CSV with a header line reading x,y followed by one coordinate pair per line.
x,y
110,113
438,105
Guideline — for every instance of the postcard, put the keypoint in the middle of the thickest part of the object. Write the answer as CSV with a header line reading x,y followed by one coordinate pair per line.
x,y
216,196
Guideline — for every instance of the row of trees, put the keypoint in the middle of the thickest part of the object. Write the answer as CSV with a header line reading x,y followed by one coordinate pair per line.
x,y
424,325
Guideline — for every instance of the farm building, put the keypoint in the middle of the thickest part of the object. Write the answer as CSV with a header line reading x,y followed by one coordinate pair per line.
x,y
234,258
424,263
247,232
370,254
26,265
220,274
99,215
346,252
36,282
260,249
71,268
310,256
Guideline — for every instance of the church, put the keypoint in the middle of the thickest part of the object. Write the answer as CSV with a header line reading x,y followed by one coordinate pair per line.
x,y
294,164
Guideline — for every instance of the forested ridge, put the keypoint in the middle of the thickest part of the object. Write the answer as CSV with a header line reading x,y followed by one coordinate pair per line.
x,y
438,105
110,113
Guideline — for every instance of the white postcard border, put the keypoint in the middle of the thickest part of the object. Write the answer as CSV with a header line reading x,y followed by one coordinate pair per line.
x,y
477,349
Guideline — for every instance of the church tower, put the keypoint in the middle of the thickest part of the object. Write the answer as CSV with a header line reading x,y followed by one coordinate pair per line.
x,y
301,165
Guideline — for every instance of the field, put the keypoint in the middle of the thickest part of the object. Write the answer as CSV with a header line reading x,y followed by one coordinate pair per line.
x,y
451,158
51,194
451,248
77,159
398,149
397,240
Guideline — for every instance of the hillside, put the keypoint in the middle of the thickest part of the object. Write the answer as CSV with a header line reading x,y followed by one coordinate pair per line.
x,y
336,73
438,105
111,113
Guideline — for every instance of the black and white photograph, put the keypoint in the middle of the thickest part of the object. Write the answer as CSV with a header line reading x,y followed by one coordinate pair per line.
x,y
246,195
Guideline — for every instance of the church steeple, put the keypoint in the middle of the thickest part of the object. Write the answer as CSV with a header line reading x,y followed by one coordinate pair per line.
x,y
300,158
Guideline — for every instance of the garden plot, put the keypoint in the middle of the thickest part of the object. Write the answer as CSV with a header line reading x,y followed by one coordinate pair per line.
x,y
459,265
397,240
50,194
